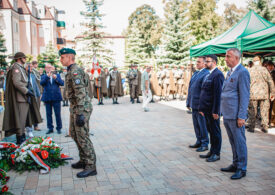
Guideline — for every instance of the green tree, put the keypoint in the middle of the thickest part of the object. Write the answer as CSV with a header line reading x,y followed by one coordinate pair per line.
x,y
49,56
176,38
265,8
3,49
143,35
205,23
93,38
232,15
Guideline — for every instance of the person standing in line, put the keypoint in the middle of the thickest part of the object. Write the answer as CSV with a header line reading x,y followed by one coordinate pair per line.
x,y
115,85
209,107
51,82
145,87
234,104
193,100
261,92
80,111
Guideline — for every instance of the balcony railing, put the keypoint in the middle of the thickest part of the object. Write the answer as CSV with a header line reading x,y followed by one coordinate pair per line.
x,y
61,24
61,41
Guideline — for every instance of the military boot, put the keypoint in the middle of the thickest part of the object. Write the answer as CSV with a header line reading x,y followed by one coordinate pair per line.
x,y
101,101
138,101
132,100
67,103
64,104
78,165
116,101
88,171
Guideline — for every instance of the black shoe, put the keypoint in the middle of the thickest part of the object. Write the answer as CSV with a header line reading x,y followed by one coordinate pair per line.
x,y
116,102
49,131
251,130
230,168
99,103
238,174
194,146
264,130
213,158
64,104
59,131
86,173
79,165
202,149
19,139
152,101
205,155
138,101
133,101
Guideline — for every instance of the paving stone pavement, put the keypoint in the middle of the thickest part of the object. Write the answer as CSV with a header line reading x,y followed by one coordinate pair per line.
x,y
147,153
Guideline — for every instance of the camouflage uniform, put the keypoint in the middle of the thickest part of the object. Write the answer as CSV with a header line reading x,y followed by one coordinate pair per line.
x,y
77,85
261,87
180,83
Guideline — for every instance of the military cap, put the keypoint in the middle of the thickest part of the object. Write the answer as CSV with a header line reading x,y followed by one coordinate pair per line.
x,y
66,51
19,55
135,65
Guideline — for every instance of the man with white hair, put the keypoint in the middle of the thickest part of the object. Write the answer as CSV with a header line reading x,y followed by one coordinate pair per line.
x,y
234,104
51,82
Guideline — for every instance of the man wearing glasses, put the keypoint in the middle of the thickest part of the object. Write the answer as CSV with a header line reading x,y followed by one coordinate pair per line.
x,y
209,107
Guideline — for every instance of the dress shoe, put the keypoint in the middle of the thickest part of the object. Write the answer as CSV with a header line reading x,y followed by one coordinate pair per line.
x,y
86,173
250,130
49,131
194,146
78,165
205,155
230,168
202,149
264,130
213,158
59,131
238,174
138,101
116,102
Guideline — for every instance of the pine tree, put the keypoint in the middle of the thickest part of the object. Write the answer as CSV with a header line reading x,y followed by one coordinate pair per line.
x,y
50,55
265,8
143,35
205,23
176,39
93,40
3,49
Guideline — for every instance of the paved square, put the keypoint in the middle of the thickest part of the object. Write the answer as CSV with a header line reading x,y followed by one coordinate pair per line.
x,y
147,153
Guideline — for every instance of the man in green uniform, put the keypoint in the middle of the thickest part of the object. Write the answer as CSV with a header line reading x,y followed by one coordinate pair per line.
x,y
77,86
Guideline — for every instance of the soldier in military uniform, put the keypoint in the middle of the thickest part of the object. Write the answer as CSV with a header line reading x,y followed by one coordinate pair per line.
x,y
19,101
134,77
180,82
63,88
115,85
261,91
160,76
176,75
100,86
129,81
80,112
168,82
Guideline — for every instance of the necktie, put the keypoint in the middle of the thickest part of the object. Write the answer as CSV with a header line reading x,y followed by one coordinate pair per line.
x,y
229,74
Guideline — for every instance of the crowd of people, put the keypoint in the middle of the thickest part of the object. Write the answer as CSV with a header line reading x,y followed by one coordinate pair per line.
x,y
241,96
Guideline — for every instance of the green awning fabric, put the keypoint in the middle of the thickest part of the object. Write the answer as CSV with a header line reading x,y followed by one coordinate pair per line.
x,y
251,23
60,24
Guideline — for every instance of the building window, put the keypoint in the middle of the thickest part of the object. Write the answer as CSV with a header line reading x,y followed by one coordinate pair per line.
x,y
41,32
34,31
16,27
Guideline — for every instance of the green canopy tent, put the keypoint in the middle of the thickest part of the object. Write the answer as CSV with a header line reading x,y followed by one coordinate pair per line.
x,y
251,23
260,43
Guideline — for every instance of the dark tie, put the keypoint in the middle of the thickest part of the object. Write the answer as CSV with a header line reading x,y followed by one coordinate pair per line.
x,y
229,74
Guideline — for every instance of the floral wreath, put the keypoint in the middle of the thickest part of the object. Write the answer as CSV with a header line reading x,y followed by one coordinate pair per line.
x,y
34,154
4,179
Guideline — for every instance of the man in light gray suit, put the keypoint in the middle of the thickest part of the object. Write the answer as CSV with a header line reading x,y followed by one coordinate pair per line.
x,y
234,104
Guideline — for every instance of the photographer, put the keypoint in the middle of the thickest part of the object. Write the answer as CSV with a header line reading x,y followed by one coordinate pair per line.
x,y
51,82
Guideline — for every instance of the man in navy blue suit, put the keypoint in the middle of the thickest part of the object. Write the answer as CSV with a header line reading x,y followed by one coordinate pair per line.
x,y
210,101
51,81
234,105
193,100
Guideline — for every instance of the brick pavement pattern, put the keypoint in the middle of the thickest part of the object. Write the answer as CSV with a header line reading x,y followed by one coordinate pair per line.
x,y
147,153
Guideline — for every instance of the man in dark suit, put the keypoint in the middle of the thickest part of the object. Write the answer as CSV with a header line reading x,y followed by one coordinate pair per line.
x,y
234,104
209,107
51,81
193,100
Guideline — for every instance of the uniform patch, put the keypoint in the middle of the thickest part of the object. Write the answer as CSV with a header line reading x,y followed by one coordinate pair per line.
x,y
16,70
75,73
77,81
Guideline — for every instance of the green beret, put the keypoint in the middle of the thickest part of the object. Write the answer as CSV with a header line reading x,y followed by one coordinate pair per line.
x,y
66,51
